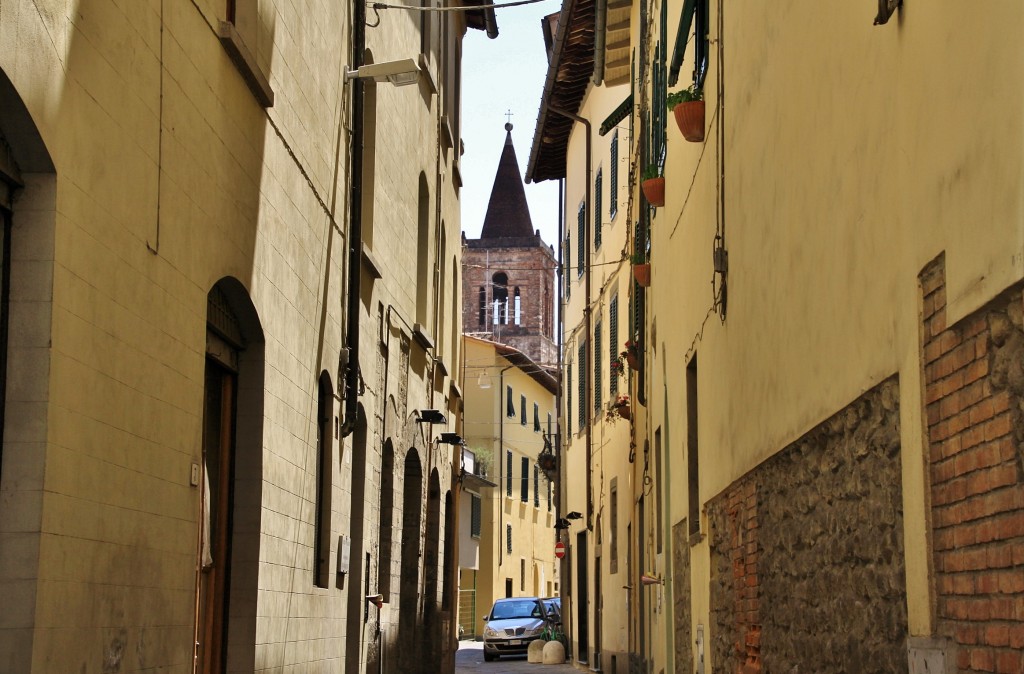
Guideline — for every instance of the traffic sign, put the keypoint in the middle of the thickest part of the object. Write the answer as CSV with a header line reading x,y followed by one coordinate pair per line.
x,y
559,549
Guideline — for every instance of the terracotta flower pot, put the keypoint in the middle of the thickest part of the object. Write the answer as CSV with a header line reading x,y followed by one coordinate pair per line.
x,y
690,119
642,274
632,361
654,190
625,411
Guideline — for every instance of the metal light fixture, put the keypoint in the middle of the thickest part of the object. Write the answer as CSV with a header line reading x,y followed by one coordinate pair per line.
x,y
483,381
431,417
398,73
450,439
573,516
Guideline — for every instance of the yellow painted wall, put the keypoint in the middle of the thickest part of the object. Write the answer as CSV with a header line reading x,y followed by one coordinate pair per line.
x,y
490,431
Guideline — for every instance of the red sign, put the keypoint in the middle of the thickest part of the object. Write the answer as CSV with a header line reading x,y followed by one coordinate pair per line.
x,y
559,549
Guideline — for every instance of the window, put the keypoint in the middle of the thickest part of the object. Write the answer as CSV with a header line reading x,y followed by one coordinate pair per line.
x,y
508,473
423,266
518,308
598,365
568,399
536,418
499,291
567,264
324,482
522,410
536,487
522,575
475,516
510,407
598,186
549,495
693,482
581,237
660,496
239,36
549,423
582,418
613,524
483,308
508,538
613,177
613,344
524,495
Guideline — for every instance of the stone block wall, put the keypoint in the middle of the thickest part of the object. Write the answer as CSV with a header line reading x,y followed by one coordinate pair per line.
x,y
974,392
807,563
681,598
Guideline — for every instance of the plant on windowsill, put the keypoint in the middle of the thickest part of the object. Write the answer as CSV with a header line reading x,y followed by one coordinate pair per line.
x,y
619,409
687,107
617,366
641,270
653,185
631,355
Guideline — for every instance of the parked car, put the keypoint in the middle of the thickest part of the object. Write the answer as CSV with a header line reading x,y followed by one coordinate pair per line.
x,y
511,625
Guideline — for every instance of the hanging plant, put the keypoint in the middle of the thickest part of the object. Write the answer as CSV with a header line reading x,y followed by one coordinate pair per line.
x,y
653,185
687,107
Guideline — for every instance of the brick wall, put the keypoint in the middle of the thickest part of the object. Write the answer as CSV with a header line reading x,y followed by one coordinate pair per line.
x,y
974,389
807,565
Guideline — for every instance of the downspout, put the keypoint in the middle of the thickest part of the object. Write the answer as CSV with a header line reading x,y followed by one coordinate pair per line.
x,y
587,313
501,459
355,238
600,21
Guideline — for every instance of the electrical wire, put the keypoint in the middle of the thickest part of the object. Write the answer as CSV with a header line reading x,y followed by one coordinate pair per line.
x,y
466,8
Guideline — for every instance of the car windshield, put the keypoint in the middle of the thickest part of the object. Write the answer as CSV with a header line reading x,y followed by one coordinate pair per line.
x,y
515,609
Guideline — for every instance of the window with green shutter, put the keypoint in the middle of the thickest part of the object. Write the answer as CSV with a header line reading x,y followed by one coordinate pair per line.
x,y
613,177
582,418
475,515
581,237
598,366
598,193
613,344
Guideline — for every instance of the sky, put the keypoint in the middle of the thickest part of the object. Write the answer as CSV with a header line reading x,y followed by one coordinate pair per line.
x,y
501,75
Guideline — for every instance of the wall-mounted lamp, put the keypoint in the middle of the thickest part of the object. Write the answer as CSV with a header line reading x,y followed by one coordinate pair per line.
x,y
573,516
450,439
561,523
376,599
431,417
398,73
483,381
650,579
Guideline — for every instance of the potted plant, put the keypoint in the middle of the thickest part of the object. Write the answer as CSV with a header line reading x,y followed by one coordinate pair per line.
x,y
631,355
641,270
617,366
619,409
688,108
653,185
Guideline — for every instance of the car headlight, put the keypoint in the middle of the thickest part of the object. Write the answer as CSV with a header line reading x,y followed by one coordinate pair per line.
x,y
488,632
534,632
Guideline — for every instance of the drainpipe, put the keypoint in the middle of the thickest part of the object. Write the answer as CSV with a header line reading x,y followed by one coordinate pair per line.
x,y
355,238
600,21
501,459
587,312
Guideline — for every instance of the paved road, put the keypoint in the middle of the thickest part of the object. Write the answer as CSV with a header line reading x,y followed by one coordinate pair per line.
x,y
470,658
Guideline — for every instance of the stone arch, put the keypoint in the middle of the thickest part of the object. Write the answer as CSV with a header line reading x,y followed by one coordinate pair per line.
x,y
409,590
431,544
27,222
357,607
499,297
386,519
231,500
448,569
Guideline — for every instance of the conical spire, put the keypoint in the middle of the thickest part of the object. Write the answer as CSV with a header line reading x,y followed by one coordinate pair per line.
x,y
508,215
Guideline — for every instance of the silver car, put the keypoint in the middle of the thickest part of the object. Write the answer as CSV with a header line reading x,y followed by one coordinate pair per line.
x,y
511,625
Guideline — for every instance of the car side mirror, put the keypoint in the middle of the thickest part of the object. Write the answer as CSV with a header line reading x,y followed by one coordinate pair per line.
x,y
486,618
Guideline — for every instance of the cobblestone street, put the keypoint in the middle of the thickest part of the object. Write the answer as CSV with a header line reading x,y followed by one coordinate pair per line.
x,y
470,658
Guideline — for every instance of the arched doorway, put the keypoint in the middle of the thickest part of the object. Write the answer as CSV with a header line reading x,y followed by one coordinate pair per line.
x,y
232,482
431,549
27,222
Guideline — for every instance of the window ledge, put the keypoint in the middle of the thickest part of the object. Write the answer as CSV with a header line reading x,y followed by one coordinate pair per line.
x,y
245,61
422,336
447,139
370,263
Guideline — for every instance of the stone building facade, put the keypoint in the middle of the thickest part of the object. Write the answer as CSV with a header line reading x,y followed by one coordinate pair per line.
x,y
225,353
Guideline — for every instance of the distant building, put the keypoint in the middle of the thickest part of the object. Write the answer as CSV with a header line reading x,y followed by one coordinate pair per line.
x,y
509,292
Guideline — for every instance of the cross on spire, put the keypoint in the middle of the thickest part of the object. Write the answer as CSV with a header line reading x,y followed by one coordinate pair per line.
x,y
508,116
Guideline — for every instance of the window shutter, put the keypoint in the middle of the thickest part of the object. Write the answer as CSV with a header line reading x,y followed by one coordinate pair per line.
x,y
613,344
598,209
475,515
522,410
582,418
613,177
525,489
508,472
536,487
581,238
598,365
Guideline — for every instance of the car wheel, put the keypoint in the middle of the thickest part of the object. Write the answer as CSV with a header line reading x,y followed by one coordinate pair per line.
x,y
489,657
